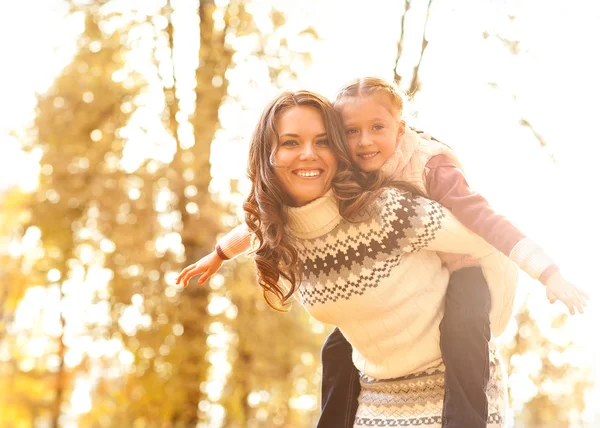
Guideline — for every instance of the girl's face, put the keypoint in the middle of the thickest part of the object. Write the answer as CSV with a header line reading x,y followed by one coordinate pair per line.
x,y
371,130
303,161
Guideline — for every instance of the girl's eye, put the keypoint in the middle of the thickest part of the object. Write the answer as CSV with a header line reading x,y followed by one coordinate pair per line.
x,y
352,131
323,143
289,143
377,127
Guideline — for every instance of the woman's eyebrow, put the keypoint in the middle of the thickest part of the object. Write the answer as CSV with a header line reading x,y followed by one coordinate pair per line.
x,y
323,134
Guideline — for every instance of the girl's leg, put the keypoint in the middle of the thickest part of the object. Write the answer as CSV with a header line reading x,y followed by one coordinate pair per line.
x,y
340,384
464,340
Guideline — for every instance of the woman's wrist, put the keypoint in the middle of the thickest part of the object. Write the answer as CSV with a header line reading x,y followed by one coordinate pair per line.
x,y
220,253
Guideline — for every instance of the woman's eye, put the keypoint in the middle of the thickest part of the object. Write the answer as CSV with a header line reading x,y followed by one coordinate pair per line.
x,y
377,127
323,143
289,143
352,131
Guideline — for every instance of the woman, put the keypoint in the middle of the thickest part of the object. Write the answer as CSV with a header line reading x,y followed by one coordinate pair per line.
x,y
364,260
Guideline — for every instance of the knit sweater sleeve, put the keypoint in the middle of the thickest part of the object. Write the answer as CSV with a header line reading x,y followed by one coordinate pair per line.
x,y
413,223
447,185
422,224
236,242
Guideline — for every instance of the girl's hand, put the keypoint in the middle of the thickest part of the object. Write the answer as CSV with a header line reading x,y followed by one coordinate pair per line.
x,y
558,288
206,267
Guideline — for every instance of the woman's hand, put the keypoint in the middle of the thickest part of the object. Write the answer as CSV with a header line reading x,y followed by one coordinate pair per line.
x,y
558,288
206,266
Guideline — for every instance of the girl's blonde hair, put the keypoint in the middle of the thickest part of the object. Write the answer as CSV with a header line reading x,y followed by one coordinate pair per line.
x,y
367,86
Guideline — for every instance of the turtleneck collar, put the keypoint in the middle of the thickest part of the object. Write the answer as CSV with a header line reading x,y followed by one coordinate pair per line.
x,y
315,218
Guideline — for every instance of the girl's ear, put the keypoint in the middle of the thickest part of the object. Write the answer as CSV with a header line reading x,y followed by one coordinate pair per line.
x,y
401,128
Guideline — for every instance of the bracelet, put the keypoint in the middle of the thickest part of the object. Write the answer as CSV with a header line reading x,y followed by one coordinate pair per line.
x,y
220,253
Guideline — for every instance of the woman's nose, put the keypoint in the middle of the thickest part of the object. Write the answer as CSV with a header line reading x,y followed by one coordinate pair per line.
x,y
308,153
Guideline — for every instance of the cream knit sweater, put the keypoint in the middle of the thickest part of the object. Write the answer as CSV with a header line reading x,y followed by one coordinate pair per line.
x,y
381,282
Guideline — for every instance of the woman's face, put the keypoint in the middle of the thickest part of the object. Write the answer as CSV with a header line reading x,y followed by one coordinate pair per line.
x,y
303,161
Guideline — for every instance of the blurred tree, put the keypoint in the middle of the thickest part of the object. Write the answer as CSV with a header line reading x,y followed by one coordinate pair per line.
x,y
75,119
414,84
23,393
76,123
169,381
548,363
189,178
222,28
276,357
12,283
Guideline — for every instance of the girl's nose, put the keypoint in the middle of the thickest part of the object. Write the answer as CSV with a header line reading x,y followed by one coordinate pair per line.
x,y
365,140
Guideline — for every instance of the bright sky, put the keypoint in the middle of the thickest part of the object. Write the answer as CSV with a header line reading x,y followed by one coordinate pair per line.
x,y
555,79
34,51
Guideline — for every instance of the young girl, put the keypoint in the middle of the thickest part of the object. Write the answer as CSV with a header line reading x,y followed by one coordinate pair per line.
x,y
371,110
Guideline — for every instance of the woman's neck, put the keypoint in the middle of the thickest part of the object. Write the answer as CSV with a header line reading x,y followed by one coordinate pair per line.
x,y
315,218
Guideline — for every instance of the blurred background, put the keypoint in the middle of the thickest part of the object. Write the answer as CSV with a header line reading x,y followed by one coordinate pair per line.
x,y
123,141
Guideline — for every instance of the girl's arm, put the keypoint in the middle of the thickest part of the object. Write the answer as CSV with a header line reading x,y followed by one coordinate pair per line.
x,y
417,223
447,185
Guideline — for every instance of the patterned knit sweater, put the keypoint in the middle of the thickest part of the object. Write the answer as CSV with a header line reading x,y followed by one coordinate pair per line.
x,y
380,280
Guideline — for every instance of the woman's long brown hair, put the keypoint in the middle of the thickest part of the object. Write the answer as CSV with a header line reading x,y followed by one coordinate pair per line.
x,y
265,210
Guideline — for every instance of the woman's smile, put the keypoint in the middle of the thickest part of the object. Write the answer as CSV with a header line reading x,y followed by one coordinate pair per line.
x,y
308,173
303,162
